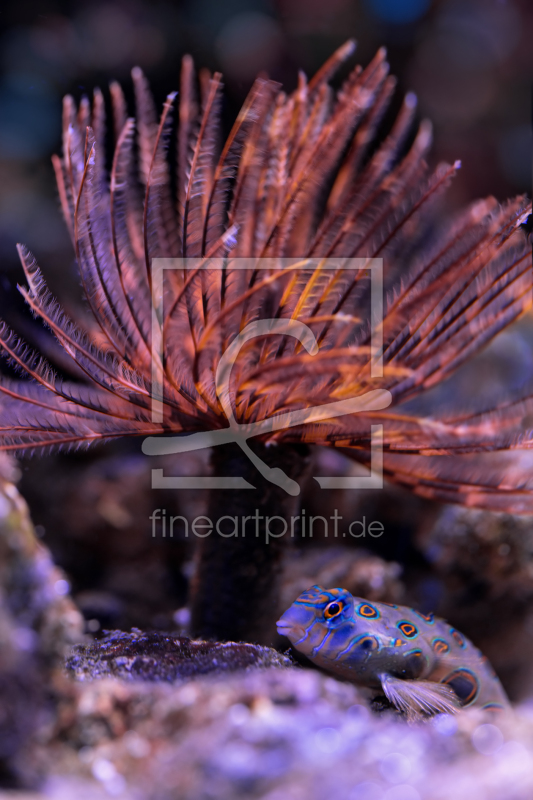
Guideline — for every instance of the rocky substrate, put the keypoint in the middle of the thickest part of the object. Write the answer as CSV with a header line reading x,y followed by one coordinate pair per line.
x,y
158,716
156,656
277,734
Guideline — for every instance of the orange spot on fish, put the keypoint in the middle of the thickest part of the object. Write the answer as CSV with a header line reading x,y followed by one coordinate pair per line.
x,y
408,629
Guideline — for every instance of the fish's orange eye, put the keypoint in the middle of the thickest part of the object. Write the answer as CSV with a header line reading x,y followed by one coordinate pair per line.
x,y
408,629
368,611
440,646
333,609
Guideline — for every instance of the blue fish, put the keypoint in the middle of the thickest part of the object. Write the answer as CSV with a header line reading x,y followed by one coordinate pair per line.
x,y
418,661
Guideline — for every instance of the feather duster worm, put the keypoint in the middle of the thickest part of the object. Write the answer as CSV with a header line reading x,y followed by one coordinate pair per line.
x,y
299,176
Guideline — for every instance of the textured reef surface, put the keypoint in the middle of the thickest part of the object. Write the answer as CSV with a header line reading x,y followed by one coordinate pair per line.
x,y
157,716
156,656
278,734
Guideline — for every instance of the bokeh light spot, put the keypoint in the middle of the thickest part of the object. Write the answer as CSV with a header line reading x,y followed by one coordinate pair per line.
x,y
487,739
395,767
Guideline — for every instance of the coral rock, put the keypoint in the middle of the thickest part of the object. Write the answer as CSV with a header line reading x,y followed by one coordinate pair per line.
x,y
38,622
158,656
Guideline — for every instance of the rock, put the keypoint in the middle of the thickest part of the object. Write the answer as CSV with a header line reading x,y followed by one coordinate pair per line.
x,y
482,583
38,622
279,734
158,656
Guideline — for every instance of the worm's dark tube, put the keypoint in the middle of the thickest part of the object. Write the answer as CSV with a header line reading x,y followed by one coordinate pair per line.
x,y
235,588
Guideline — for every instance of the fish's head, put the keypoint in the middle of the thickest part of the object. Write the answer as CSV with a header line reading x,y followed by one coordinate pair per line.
x,y
349,636
316,614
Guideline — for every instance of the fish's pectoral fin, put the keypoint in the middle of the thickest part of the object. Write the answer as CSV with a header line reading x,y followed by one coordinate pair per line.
x,y
419,698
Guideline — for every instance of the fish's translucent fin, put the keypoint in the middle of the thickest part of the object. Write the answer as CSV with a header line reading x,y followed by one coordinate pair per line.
x,y
419,698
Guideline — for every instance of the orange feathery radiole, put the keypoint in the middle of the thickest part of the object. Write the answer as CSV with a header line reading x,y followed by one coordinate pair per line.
x,y
300,176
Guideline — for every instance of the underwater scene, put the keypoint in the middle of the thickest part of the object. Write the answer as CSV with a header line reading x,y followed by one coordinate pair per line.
x,y
266,400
